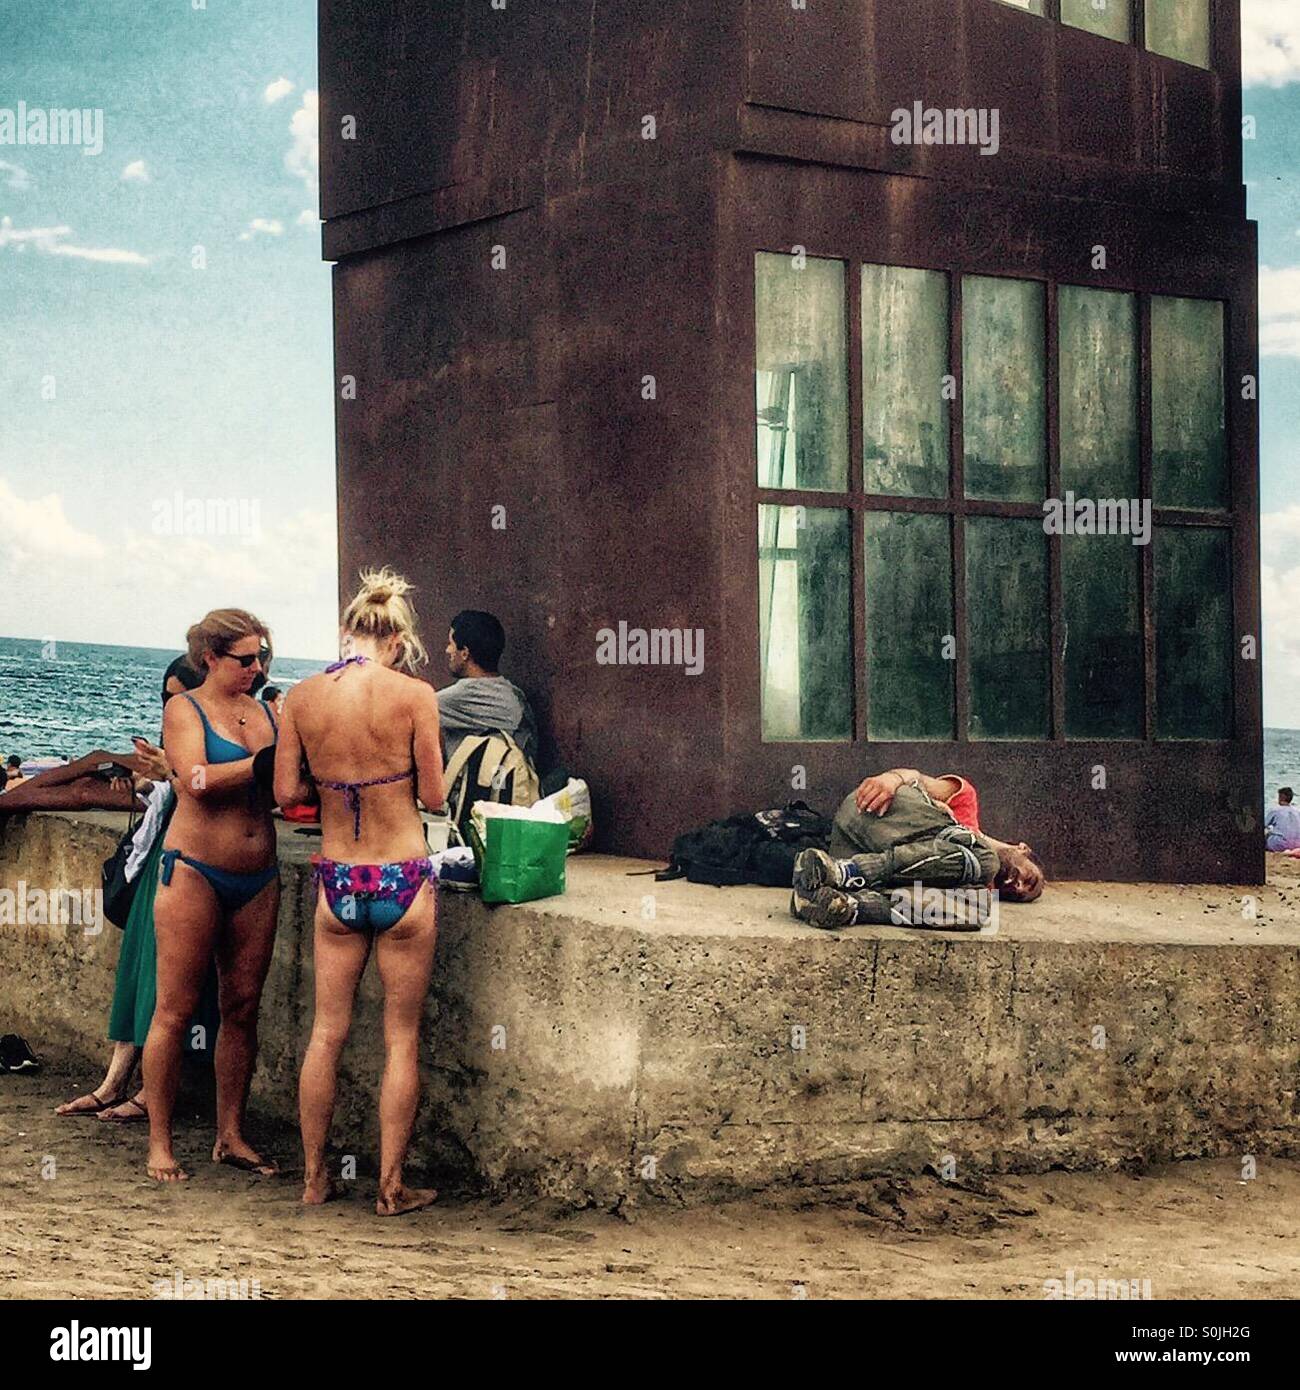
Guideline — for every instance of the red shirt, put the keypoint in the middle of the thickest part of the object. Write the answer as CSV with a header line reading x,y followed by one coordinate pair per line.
x,y
964,804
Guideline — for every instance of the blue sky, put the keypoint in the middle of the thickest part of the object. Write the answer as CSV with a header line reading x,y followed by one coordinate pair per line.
x,y
217,381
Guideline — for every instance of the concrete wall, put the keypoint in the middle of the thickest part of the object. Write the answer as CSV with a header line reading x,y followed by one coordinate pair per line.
x,y
671,1038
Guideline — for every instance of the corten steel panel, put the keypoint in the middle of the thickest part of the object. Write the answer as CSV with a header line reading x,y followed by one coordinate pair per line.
x,y
1185,119
812,59
523,389
1011,68
1100,91
1171,810
459,93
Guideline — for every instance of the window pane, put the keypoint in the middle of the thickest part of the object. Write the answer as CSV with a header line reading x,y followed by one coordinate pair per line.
x,y
904,363
1180,29
801,379
805,623
1033,6
909,616
1104,674
1003,397
1110,18
1006,622
1189,441
1193,599
1099,392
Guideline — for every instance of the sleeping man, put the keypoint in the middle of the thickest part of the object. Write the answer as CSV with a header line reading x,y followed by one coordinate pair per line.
x,y
898,830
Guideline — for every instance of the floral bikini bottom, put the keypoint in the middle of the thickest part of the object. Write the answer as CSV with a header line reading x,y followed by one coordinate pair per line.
x,y
371,897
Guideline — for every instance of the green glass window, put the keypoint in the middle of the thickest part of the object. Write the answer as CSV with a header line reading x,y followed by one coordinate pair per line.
x,y
1189,438
1007,628
1033,6
802,373
1104,675
1003,393
1194,646
1112,19
1180,29
904,368
909,626
805,623
1099,392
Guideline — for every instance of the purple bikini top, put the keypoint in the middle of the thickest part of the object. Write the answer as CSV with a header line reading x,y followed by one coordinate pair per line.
x,y
352,790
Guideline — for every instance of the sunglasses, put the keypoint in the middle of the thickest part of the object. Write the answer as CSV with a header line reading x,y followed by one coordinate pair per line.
x,y
263,655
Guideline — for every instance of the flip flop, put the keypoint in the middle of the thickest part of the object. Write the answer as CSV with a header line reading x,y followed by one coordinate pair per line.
x,y
116,1119
261,1166
88,1109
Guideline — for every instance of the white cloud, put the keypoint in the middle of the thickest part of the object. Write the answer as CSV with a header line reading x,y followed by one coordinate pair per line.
x,y
135,172
18,179
1270,42
50,241
1279,311
309,217
303,158
263,226
277,90
38,529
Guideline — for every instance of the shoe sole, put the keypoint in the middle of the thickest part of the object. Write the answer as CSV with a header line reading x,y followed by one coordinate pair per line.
x,y
814,869
828,910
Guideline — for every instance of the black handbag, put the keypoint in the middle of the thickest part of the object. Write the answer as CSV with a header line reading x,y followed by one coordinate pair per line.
x,y
119,892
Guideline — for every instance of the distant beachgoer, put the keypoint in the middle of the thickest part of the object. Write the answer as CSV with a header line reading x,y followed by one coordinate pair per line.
x,y
1282,824
219,886
97,781
134,990
13,771
902,827
481,700
368,735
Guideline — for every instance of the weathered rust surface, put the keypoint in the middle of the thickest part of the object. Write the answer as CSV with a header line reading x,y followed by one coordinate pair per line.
x,y
524,387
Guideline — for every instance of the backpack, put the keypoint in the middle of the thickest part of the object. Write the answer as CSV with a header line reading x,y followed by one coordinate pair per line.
x,y
488,767
757,847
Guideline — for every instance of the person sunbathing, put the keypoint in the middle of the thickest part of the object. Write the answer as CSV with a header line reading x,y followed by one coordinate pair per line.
x,y
900,828
369,736
97,781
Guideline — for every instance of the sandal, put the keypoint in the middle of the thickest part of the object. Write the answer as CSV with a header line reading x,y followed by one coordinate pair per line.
x,y
95,1106
113,1115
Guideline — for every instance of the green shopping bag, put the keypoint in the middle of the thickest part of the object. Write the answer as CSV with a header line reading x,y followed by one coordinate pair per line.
x,y
521,860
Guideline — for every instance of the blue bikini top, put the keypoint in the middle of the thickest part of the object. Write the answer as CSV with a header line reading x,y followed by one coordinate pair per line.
x,y
223,750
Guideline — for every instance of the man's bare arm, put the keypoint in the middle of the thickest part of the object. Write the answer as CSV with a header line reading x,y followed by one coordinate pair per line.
x,y
876,794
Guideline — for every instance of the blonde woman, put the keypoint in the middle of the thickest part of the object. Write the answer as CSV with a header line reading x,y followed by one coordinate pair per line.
x,y
219,886
365,732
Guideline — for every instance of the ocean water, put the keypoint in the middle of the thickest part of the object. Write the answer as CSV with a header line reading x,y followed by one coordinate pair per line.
x,y
81,695
64,700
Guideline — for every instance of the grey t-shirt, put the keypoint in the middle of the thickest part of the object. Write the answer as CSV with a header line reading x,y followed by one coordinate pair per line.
x,y
480,704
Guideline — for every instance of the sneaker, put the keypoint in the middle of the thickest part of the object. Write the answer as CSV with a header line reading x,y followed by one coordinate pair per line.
x,y
814,869
15,1055
826,907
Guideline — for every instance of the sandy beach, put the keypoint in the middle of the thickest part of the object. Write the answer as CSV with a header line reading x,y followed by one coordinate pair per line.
x,y
98,1228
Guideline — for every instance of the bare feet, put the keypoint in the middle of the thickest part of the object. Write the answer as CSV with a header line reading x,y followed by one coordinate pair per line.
x,y
403,1199
162,1166
92,1103
238,1153
129,1110
318,1189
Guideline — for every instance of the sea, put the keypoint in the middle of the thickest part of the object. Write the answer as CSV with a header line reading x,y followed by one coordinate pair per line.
x,y
63,699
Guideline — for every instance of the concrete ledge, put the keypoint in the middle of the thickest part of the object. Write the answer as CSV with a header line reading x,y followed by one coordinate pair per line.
x,y
643,1056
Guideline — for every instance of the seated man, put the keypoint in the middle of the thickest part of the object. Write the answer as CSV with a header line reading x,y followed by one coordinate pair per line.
x,y
1282,824
897,829
482,700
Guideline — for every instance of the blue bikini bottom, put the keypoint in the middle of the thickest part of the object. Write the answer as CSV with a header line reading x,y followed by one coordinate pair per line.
x,y
232,890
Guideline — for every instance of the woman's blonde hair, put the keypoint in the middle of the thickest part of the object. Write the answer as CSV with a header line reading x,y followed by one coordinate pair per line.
x,y
381,609
218,631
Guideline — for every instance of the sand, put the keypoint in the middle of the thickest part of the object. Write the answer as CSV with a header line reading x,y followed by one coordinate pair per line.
x,y
95,1227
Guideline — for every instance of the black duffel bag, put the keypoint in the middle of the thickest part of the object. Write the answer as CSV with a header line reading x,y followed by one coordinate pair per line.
x,y
757,847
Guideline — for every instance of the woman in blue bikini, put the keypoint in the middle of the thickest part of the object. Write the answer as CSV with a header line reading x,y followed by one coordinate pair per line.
x,y
219,884
369,738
